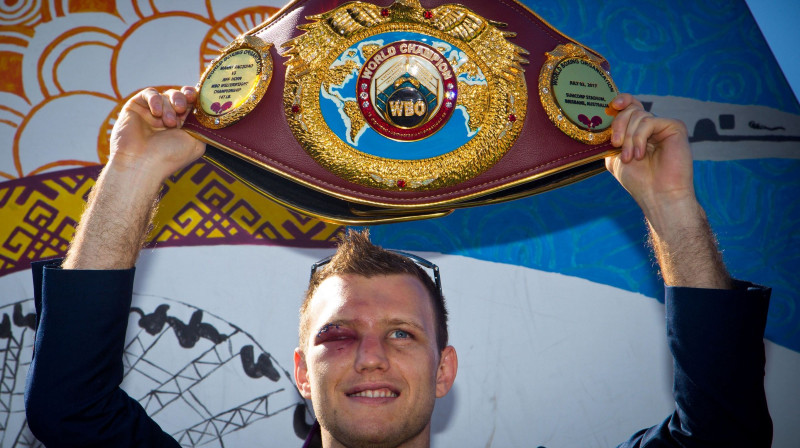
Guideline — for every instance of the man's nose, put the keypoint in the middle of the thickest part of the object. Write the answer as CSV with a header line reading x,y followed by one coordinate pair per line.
x,y
371,354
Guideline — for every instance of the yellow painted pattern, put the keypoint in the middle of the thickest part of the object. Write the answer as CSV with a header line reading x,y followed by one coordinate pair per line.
x,y
66,69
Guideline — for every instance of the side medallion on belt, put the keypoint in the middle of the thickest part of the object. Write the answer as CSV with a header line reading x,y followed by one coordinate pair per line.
x,y
234,83
404,98
575,91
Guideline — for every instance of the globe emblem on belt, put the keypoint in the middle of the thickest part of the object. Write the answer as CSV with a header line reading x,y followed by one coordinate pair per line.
x,y
407,90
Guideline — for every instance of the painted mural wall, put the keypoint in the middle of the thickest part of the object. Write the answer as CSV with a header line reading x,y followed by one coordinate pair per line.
x,y
555,303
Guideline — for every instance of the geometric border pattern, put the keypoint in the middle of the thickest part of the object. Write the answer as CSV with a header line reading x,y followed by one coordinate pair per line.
x,y
200,205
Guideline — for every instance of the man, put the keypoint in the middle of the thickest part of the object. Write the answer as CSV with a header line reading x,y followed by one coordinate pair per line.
x,y
373,347
373,352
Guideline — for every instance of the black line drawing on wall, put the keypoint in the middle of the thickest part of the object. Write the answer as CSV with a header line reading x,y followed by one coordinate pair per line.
x,y
204,380
722,122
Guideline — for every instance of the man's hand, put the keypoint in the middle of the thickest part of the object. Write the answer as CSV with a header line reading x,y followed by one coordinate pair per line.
x,y
655,166
147,134
147,145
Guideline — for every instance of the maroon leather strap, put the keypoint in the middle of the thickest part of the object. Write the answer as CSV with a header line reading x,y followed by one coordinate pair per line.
x,y
541,148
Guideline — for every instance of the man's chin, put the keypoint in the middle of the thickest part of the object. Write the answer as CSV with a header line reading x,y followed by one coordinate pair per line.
x,y
365,433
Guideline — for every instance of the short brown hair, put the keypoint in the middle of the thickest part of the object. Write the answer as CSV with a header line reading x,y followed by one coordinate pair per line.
x,y
358,256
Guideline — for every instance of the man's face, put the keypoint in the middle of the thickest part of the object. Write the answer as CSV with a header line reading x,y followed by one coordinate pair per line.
x,y
370,364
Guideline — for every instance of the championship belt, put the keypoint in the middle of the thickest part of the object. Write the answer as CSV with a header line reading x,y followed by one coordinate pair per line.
x,y
364,112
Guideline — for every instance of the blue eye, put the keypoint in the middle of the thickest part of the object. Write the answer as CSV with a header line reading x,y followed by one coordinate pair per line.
x,y
400,334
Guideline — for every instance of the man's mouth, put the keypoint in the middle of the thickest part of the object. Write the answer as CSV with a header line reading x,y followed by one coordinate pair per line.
x,y
374,393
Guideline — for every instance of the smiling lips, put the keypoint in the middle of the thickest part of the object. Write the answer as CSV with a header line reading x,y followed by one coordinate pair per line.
x,y
374,393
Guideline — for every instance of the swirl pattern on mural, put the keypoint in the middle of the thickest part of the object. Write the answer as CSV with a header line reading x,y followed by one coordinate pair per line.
x,y
56,125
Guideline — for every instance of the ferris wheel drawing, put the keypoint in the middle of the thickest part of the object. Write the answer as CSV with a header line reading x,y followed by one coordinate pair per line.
x,y
205,381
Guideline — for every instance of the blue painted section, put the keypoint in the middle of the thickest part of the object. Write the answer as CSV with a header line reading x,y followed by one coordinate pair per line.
x,y
594,230
710,50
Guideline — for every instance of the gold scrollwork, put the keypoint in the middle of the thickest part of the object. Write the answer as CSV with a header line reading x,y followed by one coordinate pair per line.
x,y
547,92
225,98
499,107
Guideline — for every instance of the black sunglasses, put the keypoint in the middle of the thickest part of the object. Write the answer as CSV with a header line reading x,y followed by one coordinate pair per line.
x,y
418,260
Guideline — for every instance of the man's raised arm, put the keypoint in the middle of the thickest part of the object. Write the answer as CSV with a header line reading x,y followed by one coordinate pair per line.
x,y
655,166
715,325
147,145
72,396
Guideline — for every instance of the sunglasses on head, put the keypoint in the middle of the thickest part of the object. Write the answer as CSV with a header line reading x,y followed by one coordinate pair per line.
x,y
416,259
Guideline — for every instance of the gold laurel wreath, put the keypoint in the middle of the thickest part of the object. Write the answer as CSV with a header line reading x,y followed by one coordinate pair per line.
x,y
498,108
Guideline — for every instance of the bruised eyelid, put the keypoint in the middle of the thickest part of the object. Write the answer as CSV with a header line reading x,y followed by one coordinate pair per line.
x,y
334,332
327,327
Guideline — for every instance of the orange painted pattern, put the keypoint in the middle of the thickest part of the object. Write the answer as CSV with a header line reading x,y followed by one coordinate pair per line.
x,y
18,28
70,57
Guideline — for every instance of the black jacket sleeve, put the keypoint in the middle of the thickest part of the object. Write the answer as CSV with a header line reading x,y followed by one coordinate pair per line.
x,y
73,398
716,339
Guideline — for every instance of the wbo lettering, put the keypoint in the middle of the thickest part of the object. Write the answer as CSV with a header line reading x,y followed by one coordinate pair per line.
x,y
408,108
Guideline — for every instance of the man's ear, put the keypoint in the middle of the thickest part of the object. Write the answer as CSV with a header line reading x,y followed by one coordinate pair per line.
x,y
446,373
301,374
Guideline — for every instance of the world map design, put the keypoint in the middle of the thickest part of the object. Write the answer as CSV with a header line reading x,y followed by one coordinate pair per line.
x,y
339,102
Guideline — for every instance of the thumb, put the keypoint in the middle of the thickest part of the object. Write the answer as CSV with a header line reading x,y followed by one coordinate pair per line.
x,y
612,162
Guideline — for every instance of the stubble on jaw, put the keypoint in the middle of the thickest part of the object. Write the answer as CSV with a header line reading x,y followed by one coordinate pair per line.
x,y
407,433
